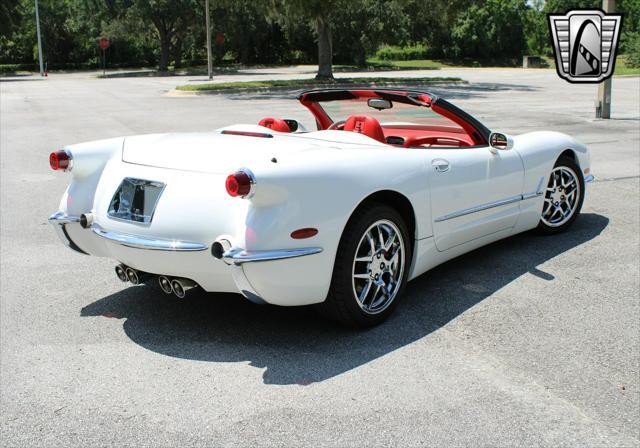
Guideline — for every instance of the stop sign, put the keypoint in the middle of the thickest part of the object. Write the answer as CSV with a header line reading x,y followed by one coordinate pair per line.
x,y
104,43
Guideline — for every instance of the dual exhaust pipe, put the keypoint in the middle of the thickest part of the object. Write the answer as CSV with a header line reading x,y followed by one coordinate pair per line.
x,y
127,274
179,287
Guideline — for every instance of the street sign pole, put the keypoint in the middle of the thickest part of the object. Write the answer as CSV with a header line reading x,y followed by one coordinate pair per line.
x,y
39,40
209,61
103,43
603,103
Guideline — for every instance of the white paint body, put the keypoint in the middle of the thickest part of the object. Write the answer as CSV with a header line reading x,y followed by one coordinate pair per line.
x,y
319,180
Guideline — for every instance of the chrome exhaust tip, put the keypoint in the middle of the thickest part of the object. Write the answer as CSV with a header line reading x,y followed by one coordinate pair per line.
x,y
181,286
136,277
165,284
86,219
132,275
121,273
219,247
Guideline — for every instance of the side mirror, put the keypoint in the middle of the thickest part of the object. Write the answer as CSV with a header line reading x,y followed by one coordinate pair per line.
x,y
498,141
295,125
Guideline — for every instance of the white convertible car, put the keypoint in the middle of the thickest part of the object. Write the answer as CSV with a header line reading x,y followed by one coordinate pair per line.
x,y
391,184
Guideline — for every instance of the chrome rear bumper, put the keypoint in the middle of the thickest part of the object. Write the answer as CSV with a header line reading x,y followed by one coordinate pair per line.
x,y
148,243
233,256
59,220
237,255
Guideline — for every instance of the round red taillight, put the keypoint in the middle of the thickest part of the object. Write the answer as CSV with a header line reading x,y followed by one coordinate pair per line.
x,y
239,184
60,160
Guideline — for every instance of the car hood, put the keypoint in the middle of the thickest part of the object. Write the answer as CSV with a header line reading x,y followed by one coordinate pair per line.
x,y
217,152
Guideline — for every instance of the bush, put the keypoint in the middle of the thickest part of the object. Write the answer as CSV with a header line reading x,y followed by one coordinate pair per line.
x,y
394,53
632,49
12,68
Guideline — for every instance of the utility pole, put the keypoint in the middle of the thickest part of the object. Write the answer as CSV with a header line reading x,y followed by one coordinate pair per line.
x,y
209,61
39,40
603,103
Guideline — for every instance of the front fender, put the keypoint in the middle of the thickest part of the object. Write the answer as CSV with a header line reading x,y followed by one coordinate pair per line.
x,y
539,152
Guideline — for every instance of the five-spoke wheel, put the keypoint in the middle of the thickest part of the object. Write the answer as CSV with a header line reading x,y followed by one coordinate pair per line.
x,y
563,196
378,266
371,268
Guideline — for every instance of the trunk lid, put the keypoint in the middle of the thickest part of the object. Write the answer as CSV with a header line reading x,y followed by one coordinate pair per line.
x,y
210,152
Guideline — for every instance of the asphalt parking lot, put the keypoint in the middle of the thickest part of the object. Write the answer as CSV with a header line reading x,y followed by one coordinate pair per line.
x,y
532,341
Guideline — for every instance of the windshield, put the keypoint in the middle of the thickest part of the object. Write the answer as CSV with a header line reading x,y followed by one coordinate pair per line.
x,y
399,114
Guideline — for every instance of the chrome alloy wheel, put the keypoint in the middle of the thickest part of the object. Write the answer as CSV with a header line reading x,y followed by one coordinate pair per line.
x,y
561,197
378,266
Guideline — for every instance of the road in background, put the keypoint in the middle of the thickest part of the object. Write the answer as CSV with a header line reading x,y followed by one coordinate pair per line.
x,y
529,341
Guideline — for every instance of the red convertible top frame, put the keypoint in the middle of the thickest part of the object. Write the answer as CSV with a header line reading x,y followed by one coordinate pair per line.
x,y
476,130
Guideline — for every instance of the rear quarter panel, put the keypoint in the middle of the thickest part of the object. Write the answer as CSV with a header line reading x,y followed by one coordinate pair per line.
x,y
322,189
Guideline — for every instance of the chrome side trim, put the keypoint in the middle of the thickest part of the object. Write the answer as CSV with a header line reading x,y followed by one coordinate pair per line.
x,y
539,191
149,243
61,218
479,208
237,255
589,178
510,200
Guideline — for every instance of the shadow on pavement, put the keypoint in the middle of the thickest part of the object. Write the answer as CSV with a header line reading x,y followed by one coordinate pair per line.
x,y
296,346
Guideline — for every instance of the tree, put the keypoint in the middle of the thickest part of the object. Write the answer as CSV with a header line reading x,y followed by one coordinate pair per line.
x,y
364,25
10,17
172,20
492,29
321,15
431,22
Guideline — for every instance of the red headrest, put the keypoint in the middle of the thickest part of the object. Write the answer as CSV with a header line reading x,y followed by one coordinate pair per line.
x,y
275,124
364,124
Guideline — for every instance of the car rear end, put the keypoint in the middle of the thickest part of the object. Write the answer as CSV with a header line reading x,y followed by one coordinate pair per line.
x,y
191,224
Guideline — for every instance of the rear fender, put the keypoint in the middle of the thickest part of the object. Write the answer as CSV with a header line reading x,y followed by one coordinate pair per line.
x,y
89,160
324,196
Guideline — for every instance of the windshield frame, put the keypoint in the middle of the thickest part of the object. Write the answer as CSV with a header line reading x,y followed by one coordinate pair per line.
x,y
311,100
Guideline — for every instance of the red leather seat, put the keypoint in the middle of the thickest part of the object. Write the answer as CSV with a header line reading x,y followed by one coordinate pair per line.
x,y
365,124
275,124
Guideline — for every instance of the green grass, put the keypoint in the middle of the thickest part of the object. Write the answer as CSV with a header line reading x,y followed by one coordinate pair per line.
x,y
623,69
421,64
310,82
435,64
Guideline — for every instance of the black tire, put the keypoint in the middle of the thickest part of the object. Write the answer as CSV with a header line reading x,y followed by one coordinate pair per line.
x,y
342,304
544,226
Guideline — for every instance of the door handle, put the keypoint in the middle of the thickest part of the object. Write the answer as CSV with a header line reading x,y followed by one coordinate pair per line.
x,y
441,165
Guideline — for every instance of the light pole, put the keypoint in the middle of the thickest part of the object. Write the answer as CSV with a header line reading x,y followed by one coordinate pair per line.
x,y
209,61
39,40
603,103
